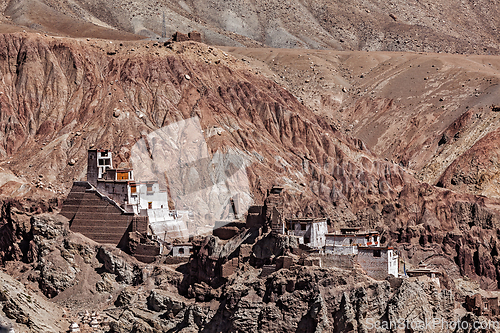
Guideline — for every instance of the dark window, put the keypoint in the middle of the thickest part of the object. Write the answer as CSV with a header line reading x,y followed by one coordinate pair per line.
x,y
191,250
149,188
181,250
303,226
376,253
150,205
104,153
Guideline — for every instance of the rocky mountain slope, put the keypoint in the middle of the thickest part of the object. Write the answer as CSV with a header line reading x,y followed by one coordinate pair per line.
x,y
436,26
60,96
429,113
66,278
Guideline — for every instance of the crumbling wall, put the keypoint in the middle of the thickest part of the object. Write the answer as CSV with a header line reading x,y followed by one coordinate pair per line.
x,y
194,36
147,252
255,217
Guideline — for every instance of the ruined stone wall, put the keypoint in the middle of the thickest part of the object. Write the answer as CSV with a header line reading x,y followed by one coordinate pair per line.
x,y
169,260
255,217
267,270
146,252
195,36
180,37
229,268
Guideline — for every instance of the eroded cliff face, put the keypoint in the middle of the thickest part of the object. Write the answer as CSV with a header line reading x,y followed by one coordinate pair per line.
x,y
59,97
75,274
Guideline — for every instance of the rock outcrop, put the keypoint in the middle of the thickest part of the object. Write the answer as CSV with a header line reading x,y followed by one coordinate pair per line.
x,y
59,99
27,311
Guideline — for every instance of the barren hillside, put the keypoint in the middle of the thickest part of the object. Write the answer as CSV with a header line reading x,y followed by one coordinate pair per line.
x,y
423,111
295,117
436,26
61,96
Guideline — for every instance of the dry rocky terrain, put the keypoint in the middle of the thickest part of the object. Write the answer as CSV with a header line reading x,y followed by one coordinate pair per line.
x,y
58,277
434,26
430,113
61,96
402,139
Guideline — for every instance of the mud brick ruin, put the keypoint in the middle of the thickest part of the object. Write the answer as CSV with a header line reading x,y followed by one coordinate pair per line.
x,y
193,36
482,305
351,248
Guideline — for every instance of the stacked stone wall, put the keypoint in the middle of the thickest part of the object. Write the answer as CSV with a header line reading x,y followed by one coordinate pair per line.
x,y
95,217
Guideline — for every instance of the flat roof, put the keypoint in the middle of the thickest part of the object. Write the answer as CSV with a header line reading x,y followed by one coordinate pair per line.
x,y
376,248
306,219
144,181
422,270
367,233
113,181
118,170
100,150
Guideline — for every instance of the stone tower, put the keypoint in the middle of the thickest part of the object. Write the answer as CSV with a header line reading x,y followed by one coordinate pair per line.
x,y
98,161
274,210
